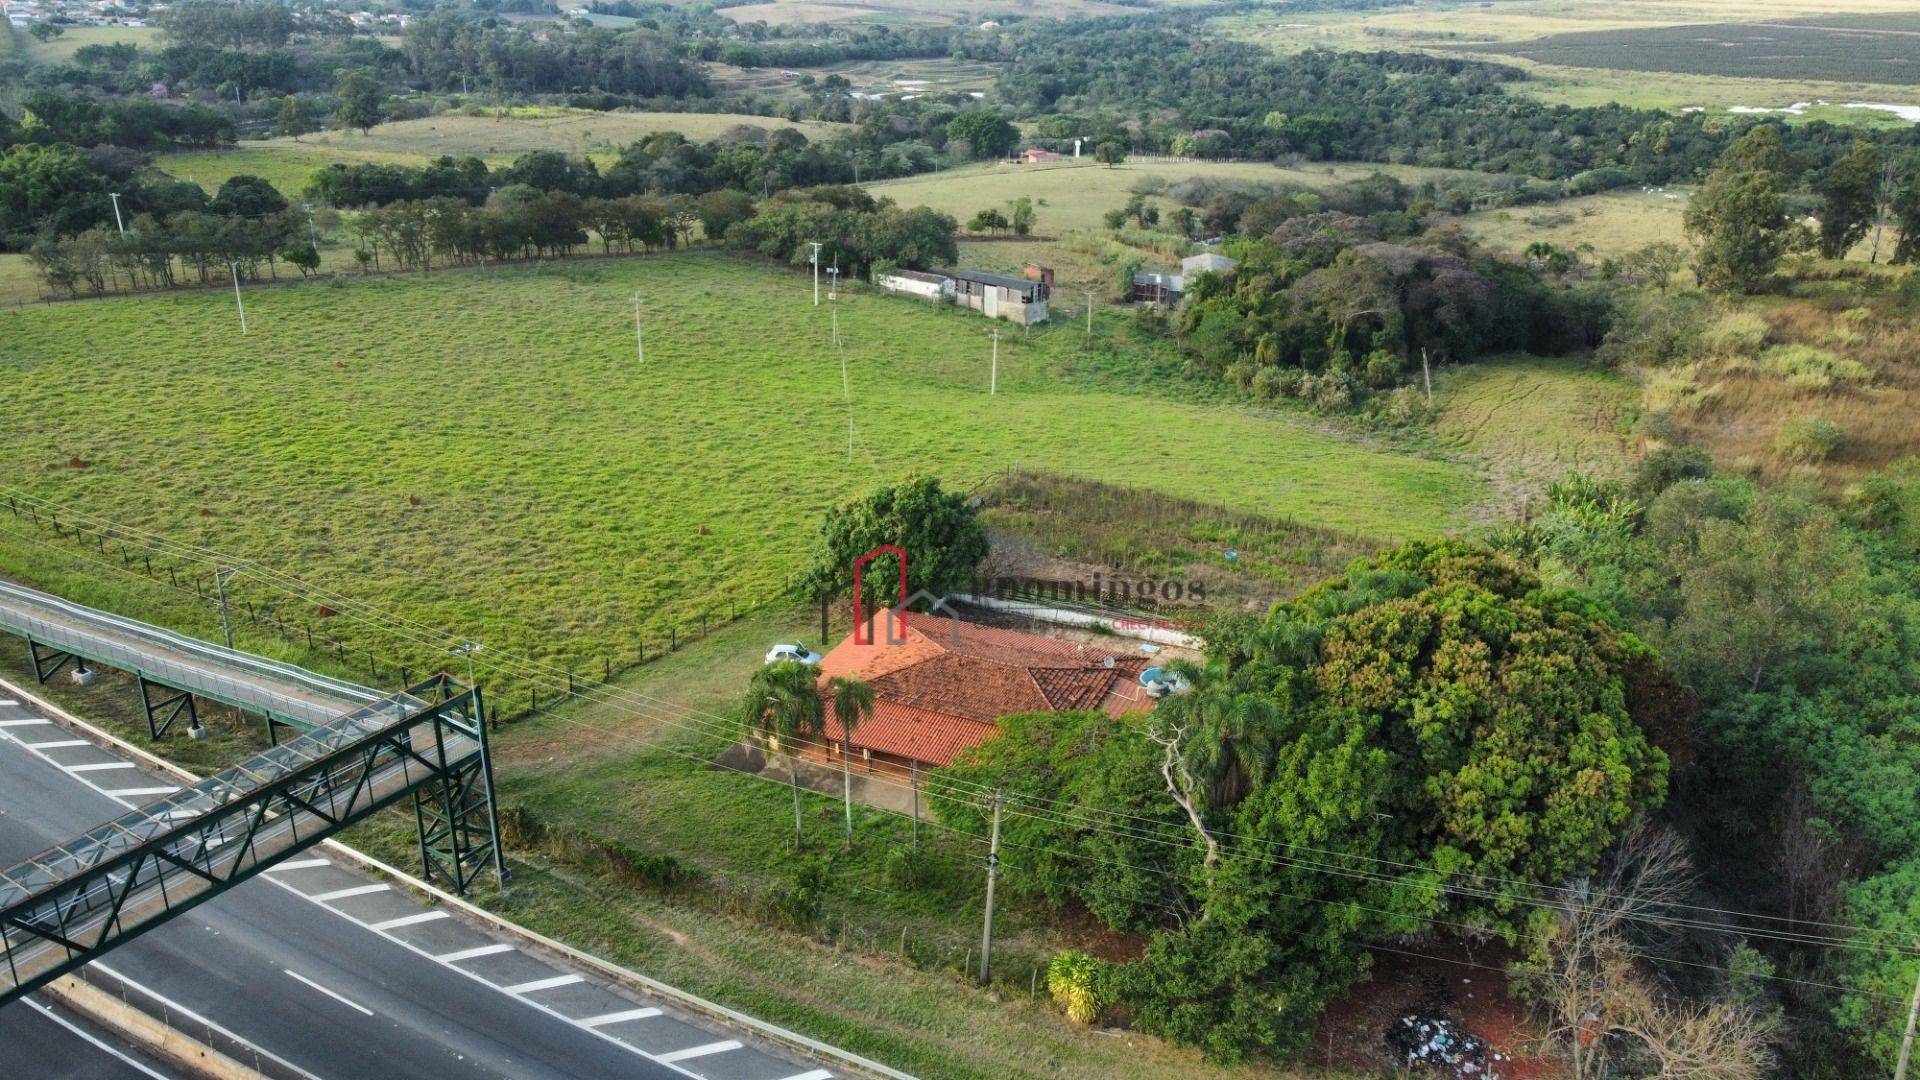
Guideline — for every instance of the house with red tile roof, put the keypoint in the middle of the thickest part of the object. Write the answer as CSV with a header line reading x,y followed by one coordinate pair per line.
x,y
940,686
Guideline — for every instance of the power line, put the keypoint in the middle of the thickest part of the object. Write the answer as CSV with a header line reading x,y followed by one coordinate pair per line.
x,y
1042,810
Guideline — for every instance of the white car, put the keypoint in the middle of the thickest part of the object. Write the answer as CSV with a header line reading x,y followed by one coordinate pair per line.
x,y
799,654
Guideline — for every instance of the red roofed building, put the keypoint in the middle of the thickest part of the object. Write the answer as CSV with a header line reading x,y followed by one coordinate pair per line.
x,y
940,686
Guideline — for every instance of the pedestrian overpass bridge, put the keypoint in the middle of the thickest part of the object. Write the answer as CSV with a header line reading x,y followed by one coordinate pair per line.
x,y
357,751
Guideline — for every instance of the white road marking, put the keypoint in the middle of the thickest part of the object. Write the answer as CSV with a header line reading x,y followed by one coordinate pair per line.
x,y
300,864
542,984
8,701
57,744
618,1018
96,1043
698,1051
408,920
342,894
817,1074
348,1002
447,960
469,954
99,766
181,1010
125,793
26,722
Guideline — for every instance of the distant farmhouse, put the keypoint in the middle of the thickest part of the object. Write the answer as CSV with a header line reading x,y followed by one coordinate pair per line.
x,y
998,296
1035,157
1167,287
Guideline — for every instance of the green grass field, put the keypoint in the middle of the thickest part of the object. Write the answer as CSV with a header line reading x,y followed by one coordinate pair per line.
x,y
1075,195
287,164
1532,421
62,48
1454,27
1602,225
575,505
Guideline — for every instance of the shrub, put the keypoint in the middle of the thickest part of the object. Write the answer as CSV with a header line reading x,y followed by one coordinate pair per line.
x,y
797,904
1736,333
1812,369
1668,466
1273,383
1808,440
1076,982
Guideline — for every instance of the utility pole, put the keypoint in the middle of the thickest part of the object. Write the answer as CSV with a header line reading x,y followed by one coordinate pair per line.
x,y
117,223
993,381
833,282
1906,1041
639,339
815,260
1427,370
237,302
1089,312
993,870
221,574
915,783
313,235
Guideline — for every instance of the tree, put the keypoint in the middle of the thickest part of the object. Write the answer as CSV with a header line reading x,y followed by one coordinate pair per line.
x,y
1434,712
1906,212
1020,215
248,197
1655,264
852,704
1849,199
302,255
1740,216
988,134
1110,153
783,706
293,118
361,100
988,220
940,531
1740,219
1590,974
719,210
46,30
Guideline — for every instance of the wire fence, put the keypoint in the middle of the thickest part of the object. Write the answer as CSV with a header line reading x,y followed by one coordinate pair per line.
x,y
309,626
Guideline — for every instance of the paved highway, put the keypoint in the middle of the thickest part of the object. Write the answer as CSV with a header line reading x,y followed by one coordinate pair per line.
x,y
42,1039
316,970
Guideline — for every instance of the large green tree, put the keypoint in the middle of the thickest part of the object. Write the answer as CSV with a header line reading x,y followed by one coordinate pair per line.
x,y
939,530
986,133
1401,744
1849,197
1740,221
362,102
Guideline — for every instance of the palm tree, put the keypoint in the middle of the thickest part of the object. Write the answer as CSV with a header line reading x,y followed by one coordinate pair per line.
x,y
852,704
783,705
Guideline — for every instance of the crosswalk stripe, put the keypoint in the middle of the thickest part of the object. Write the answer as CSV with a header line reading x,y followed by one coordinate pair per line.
x,y
543,984
128,793
469,954
342,894
300,864
57,744
698,1051
98,766
619,1017
27,721
817,1074
409,920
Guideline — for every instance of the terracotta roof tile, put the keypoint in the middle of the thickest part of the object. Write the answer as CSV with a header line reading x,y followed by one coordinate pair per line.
x,y
942,683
